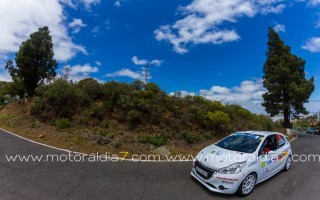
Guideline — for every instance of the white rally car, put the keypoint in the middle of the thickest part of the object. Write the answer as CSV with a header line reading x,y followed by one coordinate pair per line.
x,y
242,160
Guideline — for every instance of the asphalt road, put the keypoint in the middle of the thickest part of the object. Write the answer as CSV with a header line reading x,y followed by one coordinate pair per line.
x,y
132,180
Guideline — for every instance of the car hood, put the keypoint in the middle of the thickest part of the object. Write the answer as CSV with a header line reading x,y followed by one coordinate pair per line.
x,y
215,157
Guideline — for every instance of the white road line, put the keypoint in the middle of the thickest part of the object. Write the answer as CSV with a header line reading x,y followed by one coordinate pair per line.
x,y
32,141
74,152
293,139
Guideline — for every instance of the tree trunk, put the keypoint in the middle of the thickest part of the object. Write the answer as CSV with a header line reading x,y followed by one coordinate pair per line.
x,y
286,118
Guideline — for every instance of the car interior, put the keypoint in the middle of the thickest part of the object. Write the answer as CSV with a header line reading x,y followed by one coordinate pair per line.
x,y
270,144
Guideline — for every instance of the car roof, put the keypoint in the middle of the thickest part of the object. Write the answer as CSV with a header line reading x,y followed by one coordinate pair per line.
x,y
263,133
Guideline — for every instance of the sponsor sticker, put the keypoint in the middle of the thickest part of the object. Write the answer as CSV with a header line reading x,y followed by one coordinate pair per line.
x,y
227,179
282,155
263,164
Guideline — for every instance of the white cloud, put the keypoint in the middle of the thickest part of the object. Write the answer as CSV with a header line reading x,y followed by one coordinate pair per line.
x,y
26,17
273,9
98,63
313,3
107,24
182,93
247,91
76,25
4,75
248,94
68,3
215,90
89,3
117,4
96,31
312,44
127,73
75,3
280,28
79,72
138,61
138,75
204,19
248,86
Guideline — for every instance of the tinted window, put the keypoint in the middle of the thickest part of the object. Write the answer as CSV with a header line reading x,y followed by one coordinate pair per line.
x,y
281,141
241,142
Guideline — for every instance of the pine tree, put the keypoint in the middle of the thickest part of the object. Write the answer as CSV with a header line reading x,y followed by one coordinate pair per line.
x,y
34,61
284,79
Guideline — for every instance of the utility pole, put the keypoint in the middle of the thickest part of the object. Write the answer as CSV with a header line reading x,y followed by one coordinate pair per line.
x,y
147,73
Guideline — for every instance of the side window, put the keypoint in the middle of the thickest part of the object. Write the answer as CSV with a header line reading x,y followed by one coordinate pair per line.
x,y
281,140
272,143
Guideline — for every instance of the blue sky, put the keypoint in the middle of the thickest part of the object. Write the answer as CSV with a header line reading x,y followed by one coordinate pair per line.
x,y
207,47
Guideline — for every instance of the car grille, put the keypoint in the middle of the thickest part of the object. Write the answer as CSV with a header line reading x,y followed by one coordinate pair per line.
x,y
210,171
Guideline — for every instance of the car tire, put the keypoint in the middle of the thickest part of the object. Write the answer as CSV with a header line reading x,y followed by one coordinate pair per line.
x,y
288,164
247,185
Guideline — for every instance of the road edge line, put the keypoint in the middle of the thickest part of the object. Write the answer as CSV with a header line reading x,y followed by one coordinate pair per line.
x,y
75,152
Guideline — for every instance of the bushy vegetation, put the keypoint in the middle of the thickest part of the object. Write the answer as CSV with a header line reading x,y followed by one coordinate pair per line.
x,y
157,140
140,108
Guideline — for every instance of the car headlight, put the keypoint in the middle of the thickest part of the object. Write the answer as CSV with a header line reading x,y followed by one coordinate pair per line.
x,y
232,169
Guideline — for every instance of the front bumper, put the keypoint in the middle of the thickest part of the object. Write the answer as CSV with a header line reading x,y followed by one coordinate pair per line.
x,y
221,183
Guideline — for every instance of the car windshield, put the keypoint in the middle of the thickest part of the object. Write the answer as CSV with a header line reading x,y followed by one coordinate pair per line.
x,y
242,142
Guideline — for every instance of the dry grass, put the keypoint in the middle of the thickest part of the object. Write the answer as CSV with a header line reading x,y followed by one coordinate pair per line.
x,y
15,118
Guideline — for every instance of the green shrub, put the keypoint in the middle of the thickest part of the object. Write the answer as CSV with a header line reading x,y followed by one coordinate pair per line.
x,y
218,118
134,118
154,140
59,99
3,100
243,113
92,88
34,125
63,123
144,138
102,132
97,111
192,137
79,139
112,135
118,144
6,116
158,140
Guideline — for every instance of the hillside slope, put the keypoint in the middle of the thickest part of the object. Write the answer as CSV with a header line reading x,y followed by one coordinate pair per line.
x,y
89,116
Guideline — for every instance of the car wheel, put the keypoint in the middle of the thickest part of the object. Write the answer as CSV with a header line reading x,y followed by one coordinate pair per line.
x,y
247,185
288,164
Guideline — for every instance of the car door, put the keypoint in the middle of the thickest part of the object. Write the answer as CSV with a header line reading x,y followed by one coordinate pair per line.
x,y
263,159
282,152
268,159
